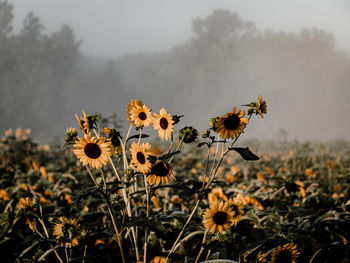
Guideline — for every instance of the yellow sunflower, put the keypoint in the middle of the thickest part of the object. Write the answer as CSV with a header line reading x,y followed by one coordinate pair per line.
x,y
163,123
141,116
218,217
129,108
286,254
139,157
261,108
237,207
160,172
231,125
67,231
92,151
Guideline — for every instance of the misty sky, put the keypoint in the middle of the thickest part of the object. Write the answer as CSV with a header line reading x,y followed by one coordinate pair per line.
x,y
111,28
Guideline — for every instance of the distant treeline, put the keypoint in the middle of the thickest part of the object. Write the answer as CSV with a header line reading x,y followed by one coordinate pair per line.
x,y
45,78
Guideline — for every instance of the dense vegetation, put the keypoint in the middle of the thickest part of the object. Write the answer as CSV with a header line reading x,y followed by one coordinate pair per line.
x,y
295,193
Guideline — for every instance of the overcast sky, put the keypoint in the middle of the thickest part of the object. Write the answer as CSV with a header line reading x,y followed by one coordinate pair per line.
x,y
111,28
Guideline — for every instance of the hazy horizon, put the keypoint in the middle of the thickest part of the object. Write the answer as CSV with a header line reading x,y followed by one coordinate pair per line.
x,y
301,73
110,28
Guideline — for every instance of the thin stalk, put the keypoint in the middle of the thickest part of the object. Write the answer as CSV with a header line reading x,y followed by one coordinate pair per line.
x,y
183,228
177,148
140,136
147,215
84,255
211,175
115,229
171,144
66,252
91,176
48,237
124,188
201,250
216,155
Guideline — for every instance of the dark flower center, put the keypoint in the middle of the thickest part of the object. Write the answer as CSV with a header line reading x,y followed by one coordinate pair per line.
x,y
142,116
164,123
140,158
262,107
283,256
232,122
220,218
160,169
92,150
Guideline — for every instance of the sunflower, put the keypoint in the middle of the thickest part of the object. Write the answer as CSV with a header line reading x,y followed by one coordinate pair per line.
x,y
67,231
218,217
261,108
231,125
139,157
286,254
140,116
92,151
130,107
160,172
237,207
163,123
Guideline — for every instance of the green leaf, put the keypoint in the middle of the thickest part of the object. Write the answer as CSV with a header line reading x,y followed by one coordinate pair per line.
x,y
245,153
168,156
136,136
202,143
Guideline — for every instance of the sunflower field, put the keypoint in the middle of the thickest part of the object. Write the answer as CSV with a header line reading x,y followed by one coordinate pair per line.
x,y
181,195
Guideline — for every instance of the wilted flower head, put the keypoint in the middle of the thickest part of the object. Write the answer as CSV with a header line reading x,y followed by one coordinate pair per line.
x,y
67,231
188,134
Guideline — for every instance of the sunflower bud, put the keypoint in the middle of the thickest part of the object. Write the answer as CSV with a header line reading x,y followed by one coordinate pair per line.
x,y
176,118
71,135
206,133
188,134
106,130
212,123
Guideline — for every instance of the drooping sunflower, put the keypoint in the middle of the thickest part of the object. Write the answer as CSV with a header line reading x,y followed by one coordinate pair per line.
x,y
160,172
286,254
67,231
230,125
141,116
92,151
115,139
237,207
218,217
129,108
163,123
261,108
28,206
139,157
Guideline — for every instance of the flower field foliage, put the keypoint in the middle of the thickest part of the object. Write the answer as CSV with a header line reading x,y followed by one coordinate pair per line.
x,y
188,196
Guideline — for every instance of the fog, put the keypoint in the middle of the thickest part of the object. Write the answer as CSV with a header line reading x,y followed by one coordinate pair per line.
x,y
199,60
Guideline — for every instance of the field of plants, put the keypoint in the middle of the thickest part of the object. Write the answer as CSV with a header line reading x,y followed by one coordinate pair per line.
x,y
185,196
